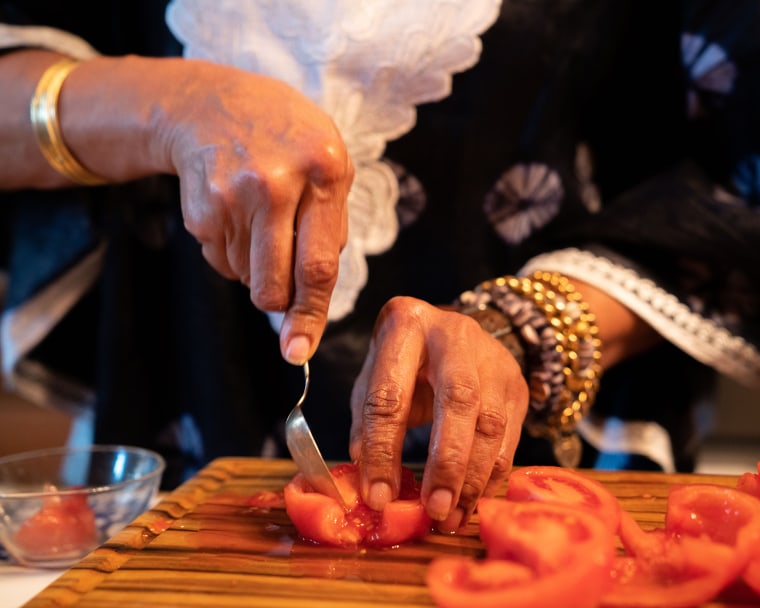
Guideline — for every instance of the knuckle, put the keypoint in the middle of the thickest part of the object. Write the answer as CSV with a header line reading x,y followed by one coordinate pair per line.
x,y
502,467
403,306
469,494
492,424
461,394
321,272
384,404
449,462
332,161
270,297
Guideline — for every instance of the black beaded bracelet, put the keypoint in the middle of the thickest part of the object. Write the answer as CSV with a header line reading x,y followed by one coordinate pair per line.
x,y
562,351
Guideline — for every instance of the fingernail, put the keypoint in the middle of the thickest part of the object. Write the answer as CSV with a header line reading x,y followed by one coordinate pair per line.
x,y
297,352
452,523
439,504
379,495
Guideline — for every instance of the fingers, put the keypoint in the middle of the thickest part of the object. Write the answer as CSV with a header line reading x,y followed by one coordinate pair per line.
x,y
381,401
466,425
321,234
264,187
445,368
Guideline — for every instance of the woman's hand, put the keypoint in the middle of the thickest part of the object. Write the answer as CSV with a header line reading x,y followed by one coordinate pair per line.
x,y
428,364
264,177
264,173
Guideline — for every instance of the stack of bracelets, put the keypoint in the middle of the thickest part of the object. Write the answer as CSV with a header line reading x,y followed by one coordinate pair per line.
x,y
544,322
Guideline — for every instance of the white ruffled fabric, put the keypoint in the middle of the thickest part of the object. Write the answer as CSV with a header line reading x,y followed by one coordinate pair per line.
x,y
367,64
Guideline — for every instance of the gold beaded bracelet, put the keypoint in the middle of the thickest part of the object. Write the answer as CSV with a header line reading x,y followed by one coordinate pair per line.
x,y
43,111
563,352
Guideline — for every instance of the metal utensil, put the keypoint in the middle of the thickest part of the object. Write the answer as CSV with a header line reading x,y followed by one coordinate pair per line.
x,y
305,452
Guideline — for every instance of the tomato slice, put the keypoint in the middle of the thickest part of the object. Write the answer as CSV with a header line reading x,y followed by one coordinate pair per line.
x,y
538,554
751,573
64,525
320,519
724,515
709,533
683,571
567,486
749,483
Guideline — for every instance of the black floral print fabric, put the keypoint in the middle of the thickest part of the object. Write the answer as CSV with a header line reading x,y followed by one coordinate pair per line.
x,y
632,124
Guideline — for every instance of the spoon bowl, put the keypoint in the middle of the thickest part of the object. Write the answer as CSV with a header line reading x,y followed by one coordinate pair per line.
x,y
305,452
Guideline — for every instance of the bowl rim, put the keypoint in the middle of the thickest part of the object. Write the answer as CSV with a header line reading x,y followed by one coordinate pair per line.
x,y
92,448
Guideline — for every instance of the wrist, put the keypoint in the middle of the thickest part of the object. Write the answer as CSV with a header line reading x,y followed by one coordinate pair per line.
x,y
108,109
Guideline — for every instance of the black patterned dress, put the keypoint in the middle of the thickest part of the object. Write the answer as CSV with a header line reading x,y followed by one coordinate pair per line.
x,y
622,136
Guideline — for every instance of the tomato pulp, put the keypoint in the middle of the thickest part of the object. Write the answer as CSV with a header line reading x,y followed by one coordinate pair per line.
x,y
321,519
64,525
566,486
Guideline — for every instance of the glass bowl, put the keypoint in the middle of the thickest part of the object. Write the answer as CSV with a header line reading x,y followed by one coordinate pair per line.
x,y
58,504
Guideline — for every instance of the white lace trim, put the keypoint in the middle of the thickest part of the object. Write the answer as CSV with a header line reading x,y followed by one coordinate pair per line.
x,y
368,64
45,37
699,337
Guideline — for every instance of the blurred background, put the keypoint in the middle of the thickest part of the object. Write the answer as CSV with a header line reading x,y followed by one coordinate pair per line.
x,y
733,444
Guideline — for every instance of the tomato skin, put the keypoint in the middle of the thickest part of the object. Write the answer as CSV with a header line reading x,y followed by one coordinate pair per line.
x,y
461,582
538,554
64,524
751,573
322,520
750,483
566,486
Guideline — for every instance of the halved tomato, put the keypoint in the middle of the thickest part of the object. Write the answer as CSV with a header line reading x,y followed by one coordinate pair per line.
x,y
321,519
566,486
538,554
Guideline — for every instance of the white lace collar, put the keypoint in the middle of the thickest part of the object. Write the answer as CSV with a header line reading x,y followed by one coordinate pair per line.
x,y
366,63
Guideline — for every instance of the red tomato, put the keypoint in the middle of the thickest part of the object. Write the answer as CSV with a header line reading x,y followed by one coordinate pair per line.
x,y
670,571
751,574
321,519
750,483
705,544
538,555
64,524
724,515
567,486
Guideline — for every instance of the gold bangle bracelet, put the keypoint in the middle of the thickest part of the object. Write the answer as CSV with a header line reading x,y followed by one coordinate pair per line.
x,y
43,111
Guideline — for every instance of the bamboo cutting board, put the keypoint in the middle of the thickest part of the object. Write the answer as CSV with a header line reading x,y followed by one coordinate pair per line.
x,y
204,545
